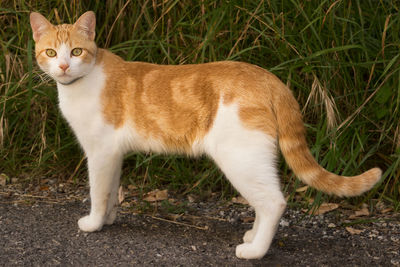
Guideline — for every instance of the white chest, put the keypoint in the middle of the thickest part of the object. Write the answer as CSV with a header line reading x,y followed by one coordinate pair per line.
x,y
80,103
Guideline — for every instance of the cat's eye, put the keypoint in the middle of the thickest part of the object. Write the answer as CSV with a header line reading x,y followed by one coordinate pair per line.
x,y
51,52
76,52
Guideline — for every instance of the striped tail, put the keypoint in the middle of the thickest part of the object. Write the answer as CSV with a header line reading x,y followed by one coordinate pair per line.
x,y
292,142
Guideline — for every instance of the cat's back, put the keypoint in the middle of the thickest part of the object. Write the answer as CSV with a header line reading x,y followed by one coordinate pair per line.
x,y
179,103
231,80
217,73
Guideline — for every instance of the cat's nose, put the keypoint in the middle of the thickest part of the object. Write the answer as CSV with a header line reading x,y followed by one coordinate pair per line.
x,y
64,67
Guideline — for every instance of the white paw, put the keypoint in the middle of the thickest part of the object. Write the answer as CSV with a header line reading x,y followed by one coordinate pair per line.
x,y
249,251
90,224
111,217
249,236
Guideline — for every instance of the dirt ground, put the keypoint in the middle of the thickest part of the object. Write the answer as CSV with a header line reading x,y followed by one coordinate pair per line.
x,y
44,232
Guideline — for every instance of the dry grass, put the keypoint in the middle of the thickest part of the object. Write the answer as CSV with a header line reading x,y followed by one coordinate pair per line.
x,y
340,58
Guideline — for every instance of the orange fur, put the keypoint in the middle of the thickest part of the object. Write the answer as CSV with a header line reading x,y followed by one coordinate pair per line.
x,y
65,33
177,105
294,147
234,112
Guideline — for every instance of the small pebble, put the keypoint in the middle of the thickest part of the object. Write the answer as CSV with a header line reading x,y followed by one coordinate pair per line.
x,y
395,262
284,223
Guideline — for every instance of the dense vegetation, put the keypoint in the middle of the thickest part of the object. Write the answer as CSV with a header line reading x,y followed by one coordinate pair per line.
x,y
341,59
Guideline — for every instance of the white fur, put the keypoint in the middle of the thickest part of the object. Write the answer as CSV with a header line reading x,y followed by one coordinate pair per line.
x,y
131,140
80,104
247,157
77,68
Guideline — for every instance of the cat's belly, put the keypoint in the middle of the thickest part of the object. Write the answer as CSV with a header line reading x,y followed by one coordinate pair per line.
x,y
130,139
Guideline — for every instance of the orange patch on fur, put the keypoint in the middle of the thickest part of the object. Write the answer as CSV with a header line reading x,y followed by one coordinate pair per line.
x,y
64,34
177,105
173,104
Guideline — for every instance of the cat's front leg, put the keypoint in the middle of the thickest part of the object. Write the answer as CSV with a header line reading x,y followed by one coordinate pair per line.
x,y
104,172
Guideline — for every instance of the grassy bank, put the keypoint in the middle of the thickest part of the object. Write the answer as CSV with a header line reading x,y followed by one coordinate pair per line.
x,y
341,59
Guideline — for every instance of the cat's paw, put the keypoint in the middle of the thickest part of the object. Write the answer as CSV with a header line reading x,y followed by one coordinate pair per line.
x,y
90,224
111,217
249,251
249,236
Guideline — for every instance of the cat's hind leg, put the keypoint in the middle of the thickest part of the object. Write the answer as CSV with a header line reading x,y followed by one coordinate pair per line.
x,y
104,171
249,235
248,160
262,236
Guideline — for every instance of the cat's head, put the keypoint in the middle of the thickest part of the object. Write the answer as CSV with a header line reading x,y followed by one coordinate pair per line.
x,y
66,52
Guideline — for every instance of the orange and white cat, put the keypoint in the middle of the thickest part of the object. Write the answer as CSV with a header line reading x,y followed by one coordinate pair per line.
x,y
235,113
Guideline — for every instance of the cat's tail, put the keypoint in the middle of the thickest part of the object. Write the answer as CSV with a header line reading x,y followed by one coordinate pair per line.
x,y
292,142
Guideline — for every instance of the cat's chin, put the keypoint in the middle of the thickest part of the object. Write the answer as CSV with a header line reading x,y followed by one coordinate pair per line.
x,y
66,79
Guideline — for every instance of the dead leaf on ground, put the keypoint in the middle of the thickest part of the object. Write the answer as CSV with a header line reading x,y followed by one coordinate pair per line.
x,y
354,231
324,208
248,219
362,212
240,200
3,179
156,195
380,206
191,198
174,217
44,188
386,210
132,187
302,189
121,195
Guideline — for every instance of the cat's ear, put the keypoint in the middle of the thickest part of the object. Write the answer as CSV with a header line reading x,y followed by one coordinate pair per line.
x,y
39,25
86,24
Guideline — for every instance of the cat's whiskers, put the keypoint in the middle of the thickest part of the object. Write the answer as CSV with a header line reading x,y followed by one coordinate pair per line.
x,y
236,113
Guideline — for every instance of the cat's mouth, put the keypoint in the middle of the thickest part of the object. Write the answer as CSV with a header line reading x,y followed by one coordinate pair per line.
x,y
64,75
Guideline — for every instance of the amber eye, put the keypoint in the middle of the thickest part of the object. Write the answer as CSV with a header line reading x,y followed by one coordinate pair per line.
x,y
76,52
51,52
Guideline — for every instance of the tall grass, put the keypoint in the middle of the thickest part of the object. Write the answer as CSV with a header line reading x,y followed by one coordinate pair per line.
x,y
341,59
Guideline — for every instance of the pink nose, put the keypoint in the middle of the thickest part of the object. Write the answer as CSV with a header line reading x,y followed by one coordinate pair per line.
x,y
64,67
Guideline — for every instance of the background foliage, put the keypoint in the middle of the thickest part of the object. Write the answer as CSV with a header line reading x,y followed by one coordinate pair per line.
x,y
341,59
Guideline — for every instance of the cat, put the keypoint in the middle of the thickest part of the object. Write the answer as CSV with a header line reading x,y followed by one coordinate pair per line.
x,y
235,113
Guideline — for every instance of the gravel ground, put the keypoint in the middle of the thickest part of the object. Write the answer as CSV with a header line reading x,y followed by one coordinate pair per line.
x,y
43,231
